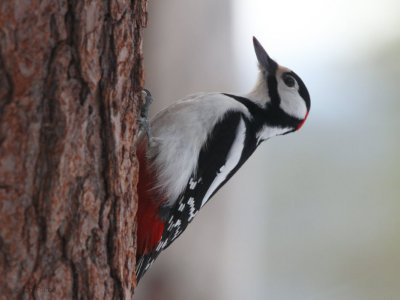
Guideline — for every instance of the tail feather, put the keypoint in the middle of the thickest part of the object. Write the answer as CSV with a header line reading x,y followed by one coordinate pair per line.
x,y
142,264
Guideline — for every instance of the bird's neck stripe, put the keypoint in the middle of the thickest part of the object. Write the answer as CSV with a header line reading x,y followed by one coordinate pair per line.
x,y
272,84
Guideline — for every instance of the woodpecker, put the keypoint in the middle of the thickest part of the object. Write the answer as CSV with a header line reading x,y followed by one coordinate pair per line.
x,y
198,143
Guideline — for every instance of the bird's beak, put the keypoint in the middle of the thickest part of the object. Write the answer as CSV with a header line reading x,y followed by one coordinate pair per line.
x,y
265,62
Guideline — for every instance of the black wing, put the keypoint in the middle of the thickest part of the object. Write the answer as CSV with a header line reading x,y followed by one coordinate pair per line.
x,y
212,159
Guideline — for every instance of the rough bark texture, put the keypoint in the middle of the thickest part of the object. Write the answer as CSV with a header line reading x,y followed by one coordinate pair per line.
x,y
70,80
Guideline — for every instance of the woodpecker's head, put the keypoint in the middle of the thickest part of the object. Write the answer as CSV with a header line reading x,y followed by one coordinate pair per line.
x,y
286,94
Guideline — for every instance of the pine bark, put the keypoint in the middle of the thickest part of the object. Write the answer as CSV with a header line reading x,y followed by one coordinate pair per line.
x,y
70,80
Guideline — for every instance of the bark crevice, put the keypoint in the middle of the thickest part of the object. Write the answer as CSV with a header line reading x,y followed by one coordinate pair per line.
x,y
7,87
71,73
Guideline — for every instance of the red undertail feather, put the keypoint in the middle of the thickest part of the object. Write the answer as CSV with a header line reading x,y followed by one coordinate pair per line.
x,y
150,226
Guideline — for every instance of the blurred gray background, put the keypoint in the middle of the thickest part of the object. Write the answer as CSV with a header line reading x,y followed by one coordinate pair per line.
x,y
311,215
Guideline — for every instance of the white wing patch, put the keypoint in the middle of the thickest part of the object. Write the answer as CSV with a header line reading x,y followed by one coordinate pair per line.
x,y
181,207
192,212
232,160
192,183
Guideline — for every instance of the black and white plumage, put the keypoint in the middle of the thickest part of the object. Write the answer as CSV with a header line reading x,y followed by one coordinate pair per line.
x,y
198,143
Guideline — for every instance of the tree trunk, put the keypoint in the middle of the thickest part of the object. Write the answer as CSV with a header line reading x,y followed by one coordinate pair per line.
x,y
70,80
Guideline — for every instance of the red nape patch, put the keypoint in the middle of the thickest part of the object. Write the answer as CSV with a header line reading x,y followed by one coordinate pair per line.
x,y
149,225
302,123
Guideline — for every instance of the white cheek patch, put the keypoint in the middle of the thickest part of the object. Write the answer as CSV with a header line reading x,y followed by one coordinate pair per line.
x,y
291,101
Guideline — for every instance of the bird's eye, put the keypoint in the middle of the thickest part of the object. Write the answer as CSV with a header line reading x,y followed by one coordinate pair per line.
x,y
288,80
